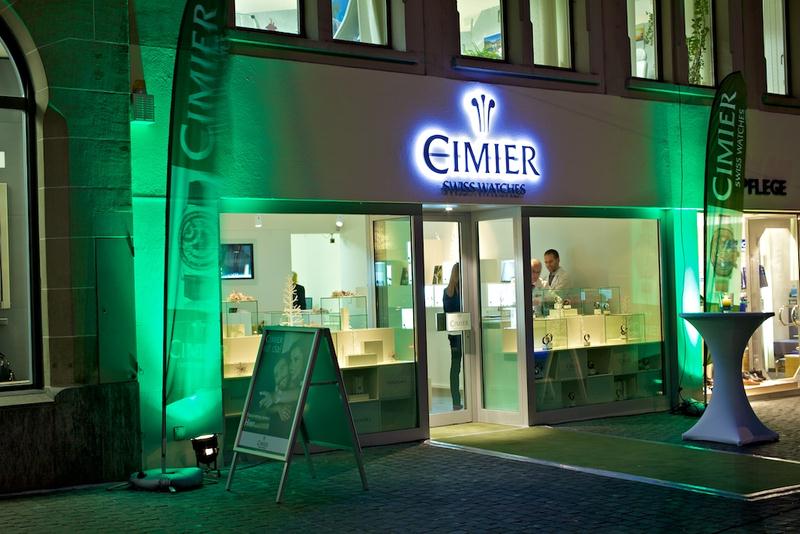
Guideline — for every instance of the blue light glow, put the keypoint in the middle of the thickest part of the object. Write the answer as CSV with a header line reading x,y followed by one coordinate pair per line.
x,y
440,153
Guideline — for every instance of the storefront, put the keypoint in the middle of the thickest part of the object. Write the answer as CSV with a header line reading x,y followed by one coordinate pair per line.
x,y
373,216
769,283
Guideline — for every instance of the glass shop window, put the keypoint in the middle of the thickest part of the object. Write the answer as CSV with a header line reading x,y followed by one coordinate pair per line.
x,y
552,32
596,311
698,23
481,28
775,50
16,285
360,21
272,15
351,274
643,32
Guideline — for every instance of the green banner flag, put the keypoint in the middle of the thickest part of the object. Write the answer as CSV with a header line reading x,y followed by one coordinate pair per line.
x,y
724,192
192,387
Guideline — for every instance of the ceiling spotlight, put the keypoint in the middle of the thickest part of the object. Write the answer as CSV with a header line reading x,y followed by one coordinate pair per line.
x,y
339,221
259,222
448,208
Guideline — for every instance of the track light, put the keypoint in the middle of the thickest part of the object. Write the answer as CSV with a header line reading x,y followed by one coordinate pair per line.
x,y
339,222
259,222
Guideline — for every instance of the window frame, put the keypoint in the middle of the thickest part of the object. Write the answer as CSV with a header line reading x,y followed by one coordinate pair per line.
x,y
27,104
414,213
668,310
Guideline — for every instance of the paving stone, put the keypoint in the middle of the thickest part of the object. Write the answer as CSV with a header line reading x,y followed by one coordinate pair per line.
x,y
420,488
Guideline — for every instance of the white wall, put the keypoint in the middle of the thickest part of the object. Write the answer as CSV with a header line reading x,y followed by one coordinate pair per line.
x,y
317,263
321,267
496,243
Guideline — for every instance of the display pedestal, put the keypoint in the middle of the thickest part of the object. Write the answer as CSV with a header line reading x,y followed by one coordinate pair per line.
x,y
729,418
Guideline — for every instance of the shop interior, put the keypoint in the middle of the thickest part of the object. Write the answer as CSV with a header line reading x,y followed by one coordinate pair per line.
x,y
597,335
769,280
352,274
597,340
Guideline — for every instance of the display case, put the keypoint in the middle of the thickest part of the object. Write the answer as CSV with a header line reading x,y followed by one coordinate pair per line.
x,y
550,334
344,313
600,301
596,375
588,352
624,328
239,318
557,303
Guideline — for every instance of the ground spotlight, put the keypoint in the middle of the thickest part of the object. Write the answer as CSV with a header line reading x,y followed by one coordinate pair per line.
x,y
206,449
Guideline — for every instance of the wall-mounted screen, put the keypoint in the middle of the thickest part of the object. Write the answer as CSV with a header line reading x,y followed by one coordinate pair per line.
x,y
236,261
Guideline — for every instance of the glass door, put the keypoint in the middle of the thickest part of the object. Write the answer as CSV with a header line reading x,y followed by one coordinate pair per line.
x,y
503,392
448,322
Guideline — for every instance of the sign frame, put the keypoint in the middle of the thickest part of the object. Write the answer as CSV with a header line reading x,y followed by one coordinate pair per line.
x,y
309,431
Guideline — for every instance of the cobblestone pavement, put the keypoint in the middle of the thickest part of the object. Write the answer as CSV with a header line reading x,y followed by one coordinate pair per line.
x,y
413,488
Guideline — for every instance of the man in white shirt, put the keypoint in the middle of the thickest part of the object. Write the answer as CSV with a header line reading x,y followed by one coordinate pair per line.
x,y
558,278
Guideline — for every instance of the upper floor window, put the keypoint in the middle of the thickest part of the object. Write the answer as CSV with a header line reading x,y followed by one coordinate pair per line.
x,y
774,14
551,21
271,15
481,28
361,21
643,33
698,24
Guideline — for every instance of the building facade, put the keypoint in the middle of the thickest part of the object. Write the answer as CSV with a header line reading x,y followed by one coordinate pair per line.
x,y
370,148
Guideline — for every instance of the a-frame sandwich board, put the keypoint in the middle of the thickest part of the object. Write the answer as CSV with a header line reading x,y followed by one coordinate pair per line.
x,y
296,387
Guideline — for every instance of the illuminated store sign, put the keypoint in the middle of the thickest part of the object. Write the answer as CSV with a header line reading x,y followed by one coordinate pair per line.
x,y
480,163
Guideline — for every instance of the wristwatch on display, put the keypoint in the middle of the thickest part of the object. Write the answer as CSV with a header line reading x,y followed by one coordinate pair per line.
x,y
586,338
547,340
623,331
779,316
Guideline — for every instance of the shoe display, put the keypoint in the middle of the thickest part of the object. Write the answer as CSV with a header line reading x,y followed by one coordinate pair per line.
x,y
758,374
748,380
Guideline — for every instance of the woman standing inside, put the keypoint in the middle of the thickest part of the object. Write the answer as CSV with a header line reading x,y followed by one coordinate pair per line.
x,y
451,300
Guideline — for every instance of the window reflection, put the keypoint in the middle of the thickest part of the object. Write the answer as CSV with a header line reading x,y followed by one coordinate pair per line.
x,y
481,28
360,21
643,34
775,45
271,15
699,41
551,33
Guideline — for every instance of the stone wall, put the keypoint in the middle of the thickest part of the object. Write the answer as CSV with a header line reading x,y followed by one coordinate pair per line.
x,y
86,435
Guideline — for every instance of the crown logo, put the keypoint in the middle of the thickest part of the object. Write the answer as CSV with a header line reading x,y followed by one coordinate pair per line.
x,y
483,112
